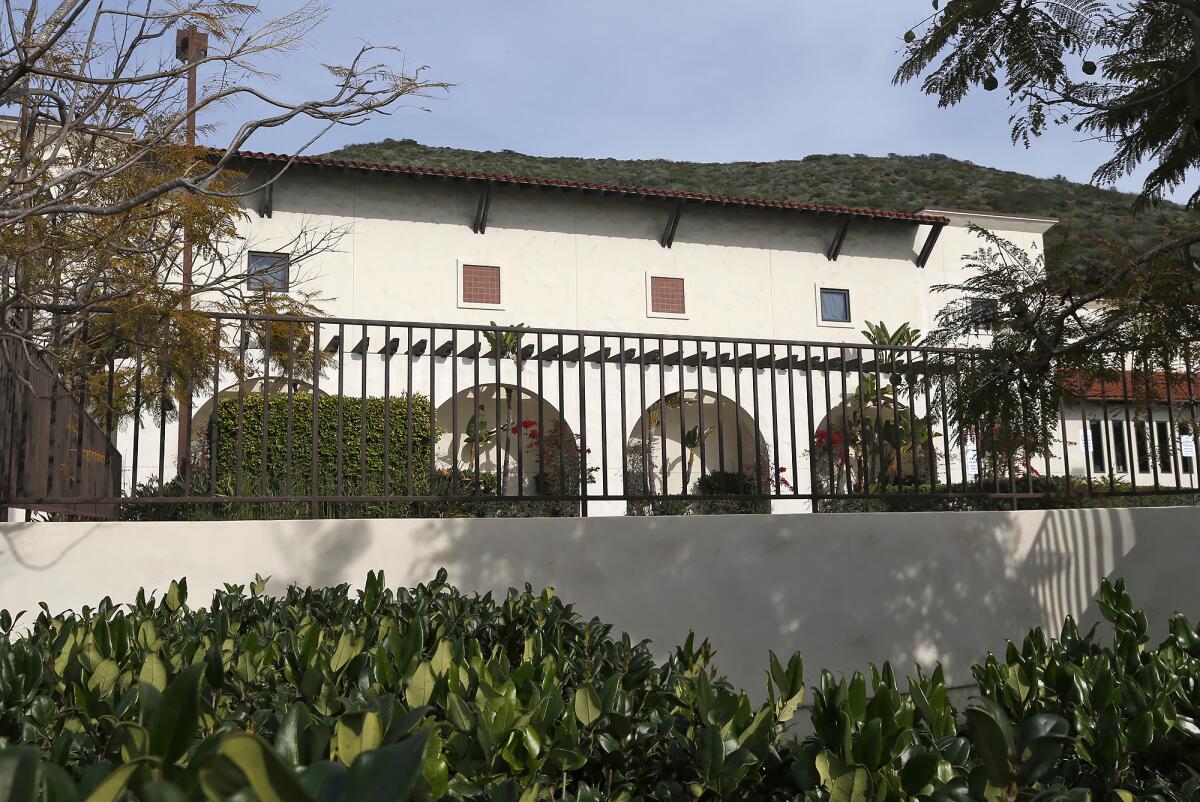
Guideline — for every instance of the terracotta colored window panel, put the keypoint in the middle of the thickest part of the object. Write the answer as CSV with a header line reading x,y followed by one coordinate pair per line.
x,y
480,284
666,295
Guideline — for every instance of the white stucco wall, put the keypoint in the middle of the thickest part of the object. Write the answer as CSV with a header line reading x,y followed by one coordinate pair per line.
x,y
843,589
580,261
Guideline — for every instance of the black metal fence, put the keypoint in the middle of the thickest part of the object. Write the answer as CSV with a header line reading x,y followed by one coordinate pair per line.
x,y
337,417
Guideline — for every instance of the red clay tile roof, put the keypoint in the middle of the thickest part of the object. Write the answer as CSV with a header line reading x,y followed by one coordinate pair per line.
x,y
562,183
1114,386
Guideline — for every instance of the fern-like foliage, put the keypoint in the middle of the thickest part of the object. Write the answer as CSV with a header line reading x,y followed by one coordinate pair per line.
x,y
1141,94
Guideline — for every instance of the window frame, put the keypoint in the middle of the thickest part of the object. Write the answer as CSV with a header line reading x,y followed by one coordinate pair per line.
x,y
650,311
1120,451
837,324
460,268
1165,451
1095,436
1142,448
254,284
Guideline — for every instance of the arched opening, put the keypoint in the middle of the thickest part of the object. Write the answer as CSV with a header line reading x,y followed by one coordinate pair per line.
x,y
864,443
698,443
496,441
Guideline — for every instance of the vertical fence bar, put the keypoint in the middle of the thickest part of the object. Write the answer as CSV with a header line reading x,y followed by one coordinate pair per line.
x,y
582,447
18,488
737,408
833,476
519,365
115,483
662,418
793,434
1151,428
603,419
562,418
758,444
291,403
341,410
683,449
930,448
773,463
431,353
409,358
911,375
214,418
1187,368
455,479
881,479
1168,380
845,420
645,444
501,462
185,459
700,399
814,483
387,352
477,408
314,454
624,441
240,458
1086,435
864,480
266,410
137,408
962,442
82,405
720,411
1130,425
1104,426
362,413
541,384
162,419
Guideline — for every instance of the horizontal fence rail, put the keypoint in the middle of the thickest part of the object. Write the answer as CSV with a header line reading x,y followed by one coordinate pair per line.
x,y
294,416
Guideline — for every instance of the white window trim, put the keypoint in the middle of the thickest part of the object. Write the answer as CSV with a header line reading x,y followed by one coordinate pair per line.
x,y
834,324
650,298
458,284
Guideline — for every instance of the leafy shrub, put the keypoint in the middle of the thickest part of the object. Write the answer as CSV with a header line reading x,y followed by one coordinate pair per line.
x,y
430,694
1064,493
235,442
353,438
507,694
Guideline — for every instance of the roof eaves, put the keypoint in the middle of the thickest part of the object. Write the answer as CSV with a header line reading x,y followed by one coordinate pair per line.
x,y
562,183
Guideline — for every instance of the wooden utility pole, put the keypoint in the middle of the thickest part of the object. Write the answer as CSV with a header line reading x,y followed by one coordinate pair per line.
x,y
190,45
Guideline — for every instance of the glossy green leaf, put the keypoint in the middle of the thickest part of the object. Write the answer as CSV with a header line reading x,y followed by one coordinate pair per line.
x,y
586,705
18,774
386,775
176,720
265,773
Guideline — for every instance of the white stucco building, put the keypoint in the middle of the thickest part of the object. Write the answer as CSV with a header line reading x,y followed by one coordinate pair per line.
x,y
690,330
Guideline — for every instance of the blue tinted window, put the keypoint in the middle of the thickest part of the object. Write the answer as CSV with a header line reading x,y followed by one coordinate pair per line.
x,y
269,272
835,306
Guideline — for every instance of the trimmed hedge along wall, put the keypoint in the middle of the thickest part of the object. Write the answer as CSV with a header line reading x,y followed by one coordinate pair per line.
x,y
298,481
429,694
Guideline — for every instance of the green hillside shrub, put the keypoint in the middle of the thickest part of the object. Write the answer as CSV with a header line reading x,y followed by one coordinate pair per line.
x,y
427,693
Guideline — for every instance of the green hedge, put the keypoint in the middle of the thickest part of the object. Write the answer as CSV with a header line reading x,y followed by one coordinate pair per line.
x,y
430,694
1072,493
362,430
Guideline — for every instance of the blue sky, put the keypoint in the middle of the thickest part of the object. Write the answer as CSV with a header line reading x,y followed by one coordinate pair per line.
x,y
680,79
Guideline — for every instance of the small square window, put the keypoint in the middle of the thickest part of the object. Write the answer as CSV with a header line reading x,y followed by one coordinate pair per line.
x,y
667,296
835,306
481,285
269,272
984,314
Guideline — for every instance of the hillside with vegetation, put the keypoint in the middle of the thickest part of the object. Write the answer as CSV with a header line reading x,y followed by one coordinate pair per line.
x,y
899,183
